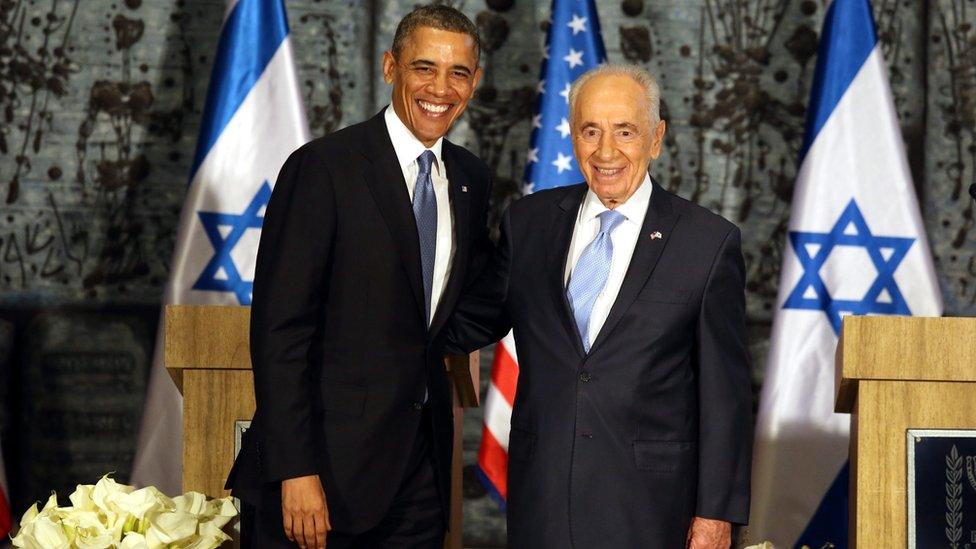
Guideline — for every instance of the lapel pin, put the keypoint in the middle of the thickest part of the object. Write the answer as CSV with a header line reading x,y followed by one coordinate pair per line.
x,y
464,188
656,235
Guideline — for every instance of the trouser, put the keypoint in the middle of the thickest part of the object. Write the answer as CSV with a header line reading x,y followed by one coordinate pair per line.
x,y
414,519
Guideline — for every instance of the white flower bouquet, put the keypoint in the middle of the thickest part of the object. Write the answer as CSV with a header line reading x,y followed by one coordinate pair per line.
x,y
109,514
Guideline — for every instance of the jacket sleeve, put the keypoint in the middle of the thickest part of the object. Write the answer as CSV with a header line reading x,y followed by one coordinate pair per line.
x,y
481,316
289,290
724,390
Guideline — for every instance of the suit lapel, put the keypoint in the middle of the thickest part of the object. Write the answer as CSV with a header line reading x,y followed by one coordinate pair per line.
x,y
458,184
560,237
660,218
385,181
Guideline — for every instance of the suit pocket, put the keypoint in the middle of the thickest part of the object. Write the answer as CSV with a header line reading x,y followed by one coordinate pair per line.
x,y
661,456
664,295
521,444
343,398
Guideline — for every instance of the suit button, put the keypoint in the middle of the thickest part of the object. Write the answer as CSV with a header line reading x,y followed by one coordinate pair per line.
x,y
585,376
418,406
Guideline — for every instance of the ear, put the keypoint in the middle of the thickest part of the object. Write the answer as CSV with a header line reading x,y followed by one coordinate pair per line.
x,y
658,139
478,73
389,63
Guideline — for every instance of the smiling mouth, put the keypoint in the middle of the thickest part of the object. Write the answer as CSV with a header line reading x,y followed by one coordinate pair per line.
x,y
433,109
609,172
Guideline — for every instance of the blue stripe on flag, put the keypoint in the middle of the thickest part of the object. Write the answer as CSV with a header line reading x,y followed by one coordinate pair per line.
x,y
490,487
829,522
847,39
251,35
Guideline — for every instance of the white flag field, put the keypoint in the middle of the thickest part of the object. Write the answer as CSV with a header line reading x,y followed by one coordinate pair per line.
x,y
253,119
856,245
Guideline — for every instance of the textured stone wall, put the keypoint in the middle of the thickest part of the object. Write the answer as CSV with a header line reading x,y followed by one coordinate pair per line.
x,y
100,103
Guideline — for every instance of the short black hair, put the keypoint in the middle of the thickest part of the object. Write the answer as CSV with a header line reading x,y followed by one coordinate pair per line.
x,y
436,16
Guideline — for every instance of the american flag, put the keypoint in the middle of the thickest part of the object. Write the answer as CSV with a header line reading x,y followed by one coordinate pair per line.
x,y
573,46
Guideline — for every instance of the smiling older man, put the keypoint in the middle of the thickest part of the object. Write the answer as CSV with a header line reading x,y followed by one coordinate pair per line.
x,y
631,424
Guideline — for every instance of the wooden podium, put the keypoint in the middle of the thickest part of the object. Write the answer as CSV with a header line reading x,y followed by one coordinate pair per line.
x,y
207,353
895,374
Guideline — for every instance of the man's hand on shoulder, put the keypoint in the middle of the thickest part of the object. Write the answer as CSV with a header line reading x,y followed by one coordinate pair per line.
x,y
304,511
709,534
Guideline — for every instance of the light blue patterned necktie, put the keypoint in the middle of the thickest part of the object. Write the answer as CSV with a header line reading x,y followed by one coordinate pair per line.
x,y
590,274
425,212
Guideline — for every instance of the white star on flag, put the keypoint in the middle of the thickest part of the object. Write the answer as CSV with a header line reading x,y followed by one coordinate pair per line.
x,y
578,24
562,162
532,155
563,128
565,92
541,88
574,58
537,121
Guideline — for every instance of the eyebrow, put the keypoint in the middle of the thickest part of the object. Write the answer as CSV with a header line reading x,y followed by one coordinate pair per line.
x,y
429,63
617,126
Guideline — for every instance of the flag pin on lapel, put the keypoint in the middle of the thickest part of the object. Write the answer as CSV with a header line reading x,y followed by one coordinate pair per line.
x,y
656,235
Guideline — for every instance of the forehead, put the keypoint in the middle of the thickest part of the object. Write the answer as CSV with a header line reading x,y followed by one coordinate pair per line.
x,y
439,45
615,98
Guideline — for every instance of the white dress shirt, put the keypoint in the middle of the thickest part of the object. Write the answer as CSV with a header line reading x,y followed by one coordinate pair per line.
x,y
408,148
624,239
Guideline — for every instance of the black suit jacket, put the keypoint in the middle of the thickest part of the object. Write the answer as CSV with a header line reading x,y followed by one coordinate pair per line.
x,y
340,349
622,446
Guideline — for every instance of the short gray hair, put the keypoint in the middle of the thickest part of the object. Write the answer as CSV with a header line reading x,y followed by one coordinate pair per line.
x,y
638,74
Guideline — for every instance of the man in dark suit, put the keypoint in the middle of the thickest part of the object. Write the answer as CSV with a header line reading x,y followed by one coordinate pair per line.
x,y
367,241
631,424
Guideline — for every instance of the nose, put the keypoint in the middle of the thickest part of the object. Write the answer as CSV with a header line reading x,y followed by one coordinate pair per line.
x,y
606,148
438,85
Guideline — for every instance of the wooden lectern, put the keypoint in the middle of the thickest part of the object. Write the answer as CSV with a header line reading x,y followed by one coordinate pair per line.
x,y
896,374
207,353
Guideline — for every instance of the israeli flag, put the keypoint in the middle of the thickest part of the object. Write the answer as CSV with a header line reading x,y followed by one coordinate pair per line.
x,y
856,246
252,121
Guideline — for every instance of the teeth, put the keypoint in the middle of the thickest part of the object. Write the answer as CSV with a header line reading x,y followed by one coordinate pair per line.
x,y
608,171
437,109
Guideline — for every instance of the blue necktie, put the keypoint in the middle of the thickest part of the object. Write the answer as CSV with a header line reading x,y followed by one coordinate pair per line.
x,y
590,274
425,211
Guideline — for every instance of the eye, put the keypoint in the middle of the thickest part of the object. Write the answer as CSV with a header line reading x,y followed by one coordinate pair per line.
x,y
460,75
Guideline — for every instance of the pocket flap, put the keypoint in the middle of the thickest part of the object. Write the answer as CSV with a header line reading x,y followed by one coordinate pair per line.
x,y
663,456
346,398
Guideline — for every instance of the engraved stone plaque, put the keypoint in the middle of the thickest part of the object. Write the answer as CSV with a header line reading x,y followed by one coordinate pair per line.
x,y
941,488
85,383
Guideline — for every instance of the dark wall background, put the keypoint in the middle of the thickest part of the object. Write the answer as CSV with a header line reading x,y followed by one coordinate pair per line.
x,y
100,103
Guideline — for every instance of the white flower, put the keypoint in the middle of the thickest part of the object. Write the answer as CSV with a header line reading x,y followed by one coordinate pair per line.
x,y
134,540
141,503
42,533
171,527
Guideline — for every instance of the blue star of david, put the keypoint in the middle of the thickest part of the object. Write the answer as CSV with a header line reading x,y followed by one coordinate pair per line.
x,y
222,262
886,253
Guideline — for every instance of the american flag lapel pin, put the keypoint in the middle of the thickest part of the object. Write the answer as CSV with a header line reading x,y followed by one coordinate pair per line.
x,y
656,235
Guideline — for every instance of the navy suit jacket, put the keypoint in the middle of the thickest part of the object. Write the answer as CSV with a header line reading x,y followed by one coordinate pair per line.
x,y
621,446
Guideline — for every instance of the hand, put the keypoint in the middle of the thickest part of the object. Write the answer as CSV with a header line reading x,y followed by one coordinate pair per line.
x,y
709,534
304,511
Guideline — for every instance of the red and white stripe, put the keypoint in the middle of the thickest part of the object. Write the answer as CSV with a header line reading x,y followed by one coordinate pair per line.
x,y
493,454
5,522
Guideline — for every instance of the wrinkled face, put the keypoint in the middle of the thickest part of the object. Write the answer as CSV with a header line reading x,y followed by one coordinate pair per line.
x,y
612,137
433,78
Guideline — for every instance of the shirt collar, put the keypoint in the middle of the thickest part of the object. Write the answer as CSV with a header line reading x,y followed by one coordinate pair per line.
x,y
405,143
633,209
